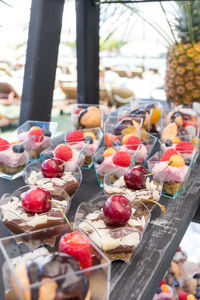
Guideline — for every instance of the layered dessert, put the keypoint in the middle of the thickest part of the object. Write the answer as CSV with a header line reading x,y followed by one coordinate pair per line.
x,y
172,170
55,271
71,154
135,185
85,116
108,159
113,224
42,139
30,209
54,176
164,292
13,157
88,138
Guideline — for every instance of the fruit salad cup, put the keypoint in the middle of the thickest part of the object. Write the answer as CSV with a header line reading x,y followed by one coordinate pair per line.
x,y
42,132
172,169
14,157
90,138
151,113
142,146
54,176
187,146
108,159
87,116
136,185
35,269
115,231
32,208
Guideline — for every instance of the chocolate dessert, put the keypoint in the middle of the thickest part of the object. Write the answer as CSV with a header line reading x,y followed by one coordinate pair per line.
x,y
66,182
18,220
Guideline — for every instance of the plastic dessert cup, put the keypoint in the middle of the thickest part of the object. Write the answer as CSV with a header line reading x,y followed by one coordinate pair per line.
x,y
70,181
90,146
116,185
117,242
187,146
17,220
42,141
14,158
78,154
174,178
86,284
87,116
104,165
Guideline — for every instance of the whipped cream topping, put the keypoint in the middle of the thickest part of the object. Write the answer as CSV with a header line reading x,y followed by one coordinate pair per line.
x,y
152,191
13,210
140,153
109,238
12,159
77,158
29,144
108,166
90,149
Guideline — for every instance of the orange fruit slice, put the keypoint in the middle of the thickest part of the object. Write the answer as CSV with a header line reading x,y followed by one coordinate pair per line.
x,y
169,132
155,115
109,151
175,140
91,134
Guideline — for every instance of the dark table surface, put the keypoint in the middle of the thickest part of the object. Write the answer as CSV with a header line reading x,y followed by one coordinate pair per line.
x,y
140,278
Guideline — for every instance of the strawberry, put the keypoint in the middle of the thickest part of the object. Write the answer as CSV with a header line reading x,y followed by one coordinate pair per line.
x,y
122,159
4,145
184,147
78,110
75,135
37,133
133,142
63,152
162,282
108,137
166,156
182,295
78,246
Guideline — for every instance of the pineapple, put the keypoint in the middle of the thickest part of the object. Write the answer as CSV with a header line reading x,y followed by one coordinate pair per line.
x,y
182,80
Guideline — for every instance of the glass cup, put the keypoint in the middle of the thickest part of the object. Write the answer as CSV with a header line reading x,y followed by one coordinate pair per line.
x,y
14,157
174,178
96,135
70,181
94,118
44,141
112,239
17,220
16,250
105,164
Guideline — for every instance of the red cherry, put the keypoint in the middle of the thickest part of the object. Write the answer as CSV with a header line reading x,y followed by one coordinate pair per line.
x,y
38,133
78,246
52,167
117,210
36,200
135,178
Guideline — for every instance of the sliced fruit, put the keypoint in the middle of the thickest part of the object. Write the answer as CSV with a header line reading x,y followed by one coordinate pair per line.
x,y
175,140
109,151
164,288
108,137
75,136
168,153
130,129
125,138
15,143
155,115
122,159
177,161
184,147
63,152
91,134
169,132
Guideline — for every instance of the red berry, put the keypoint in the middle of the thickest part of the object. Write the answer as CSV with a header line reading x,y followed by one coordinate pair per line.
x,y
4,145
38,133
182,295
78,246
63,152
166,156
36,200
108,137
122,159
191,127
133,142
75,136
78,110
184,147
117,210
162,282
52,167
135,178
